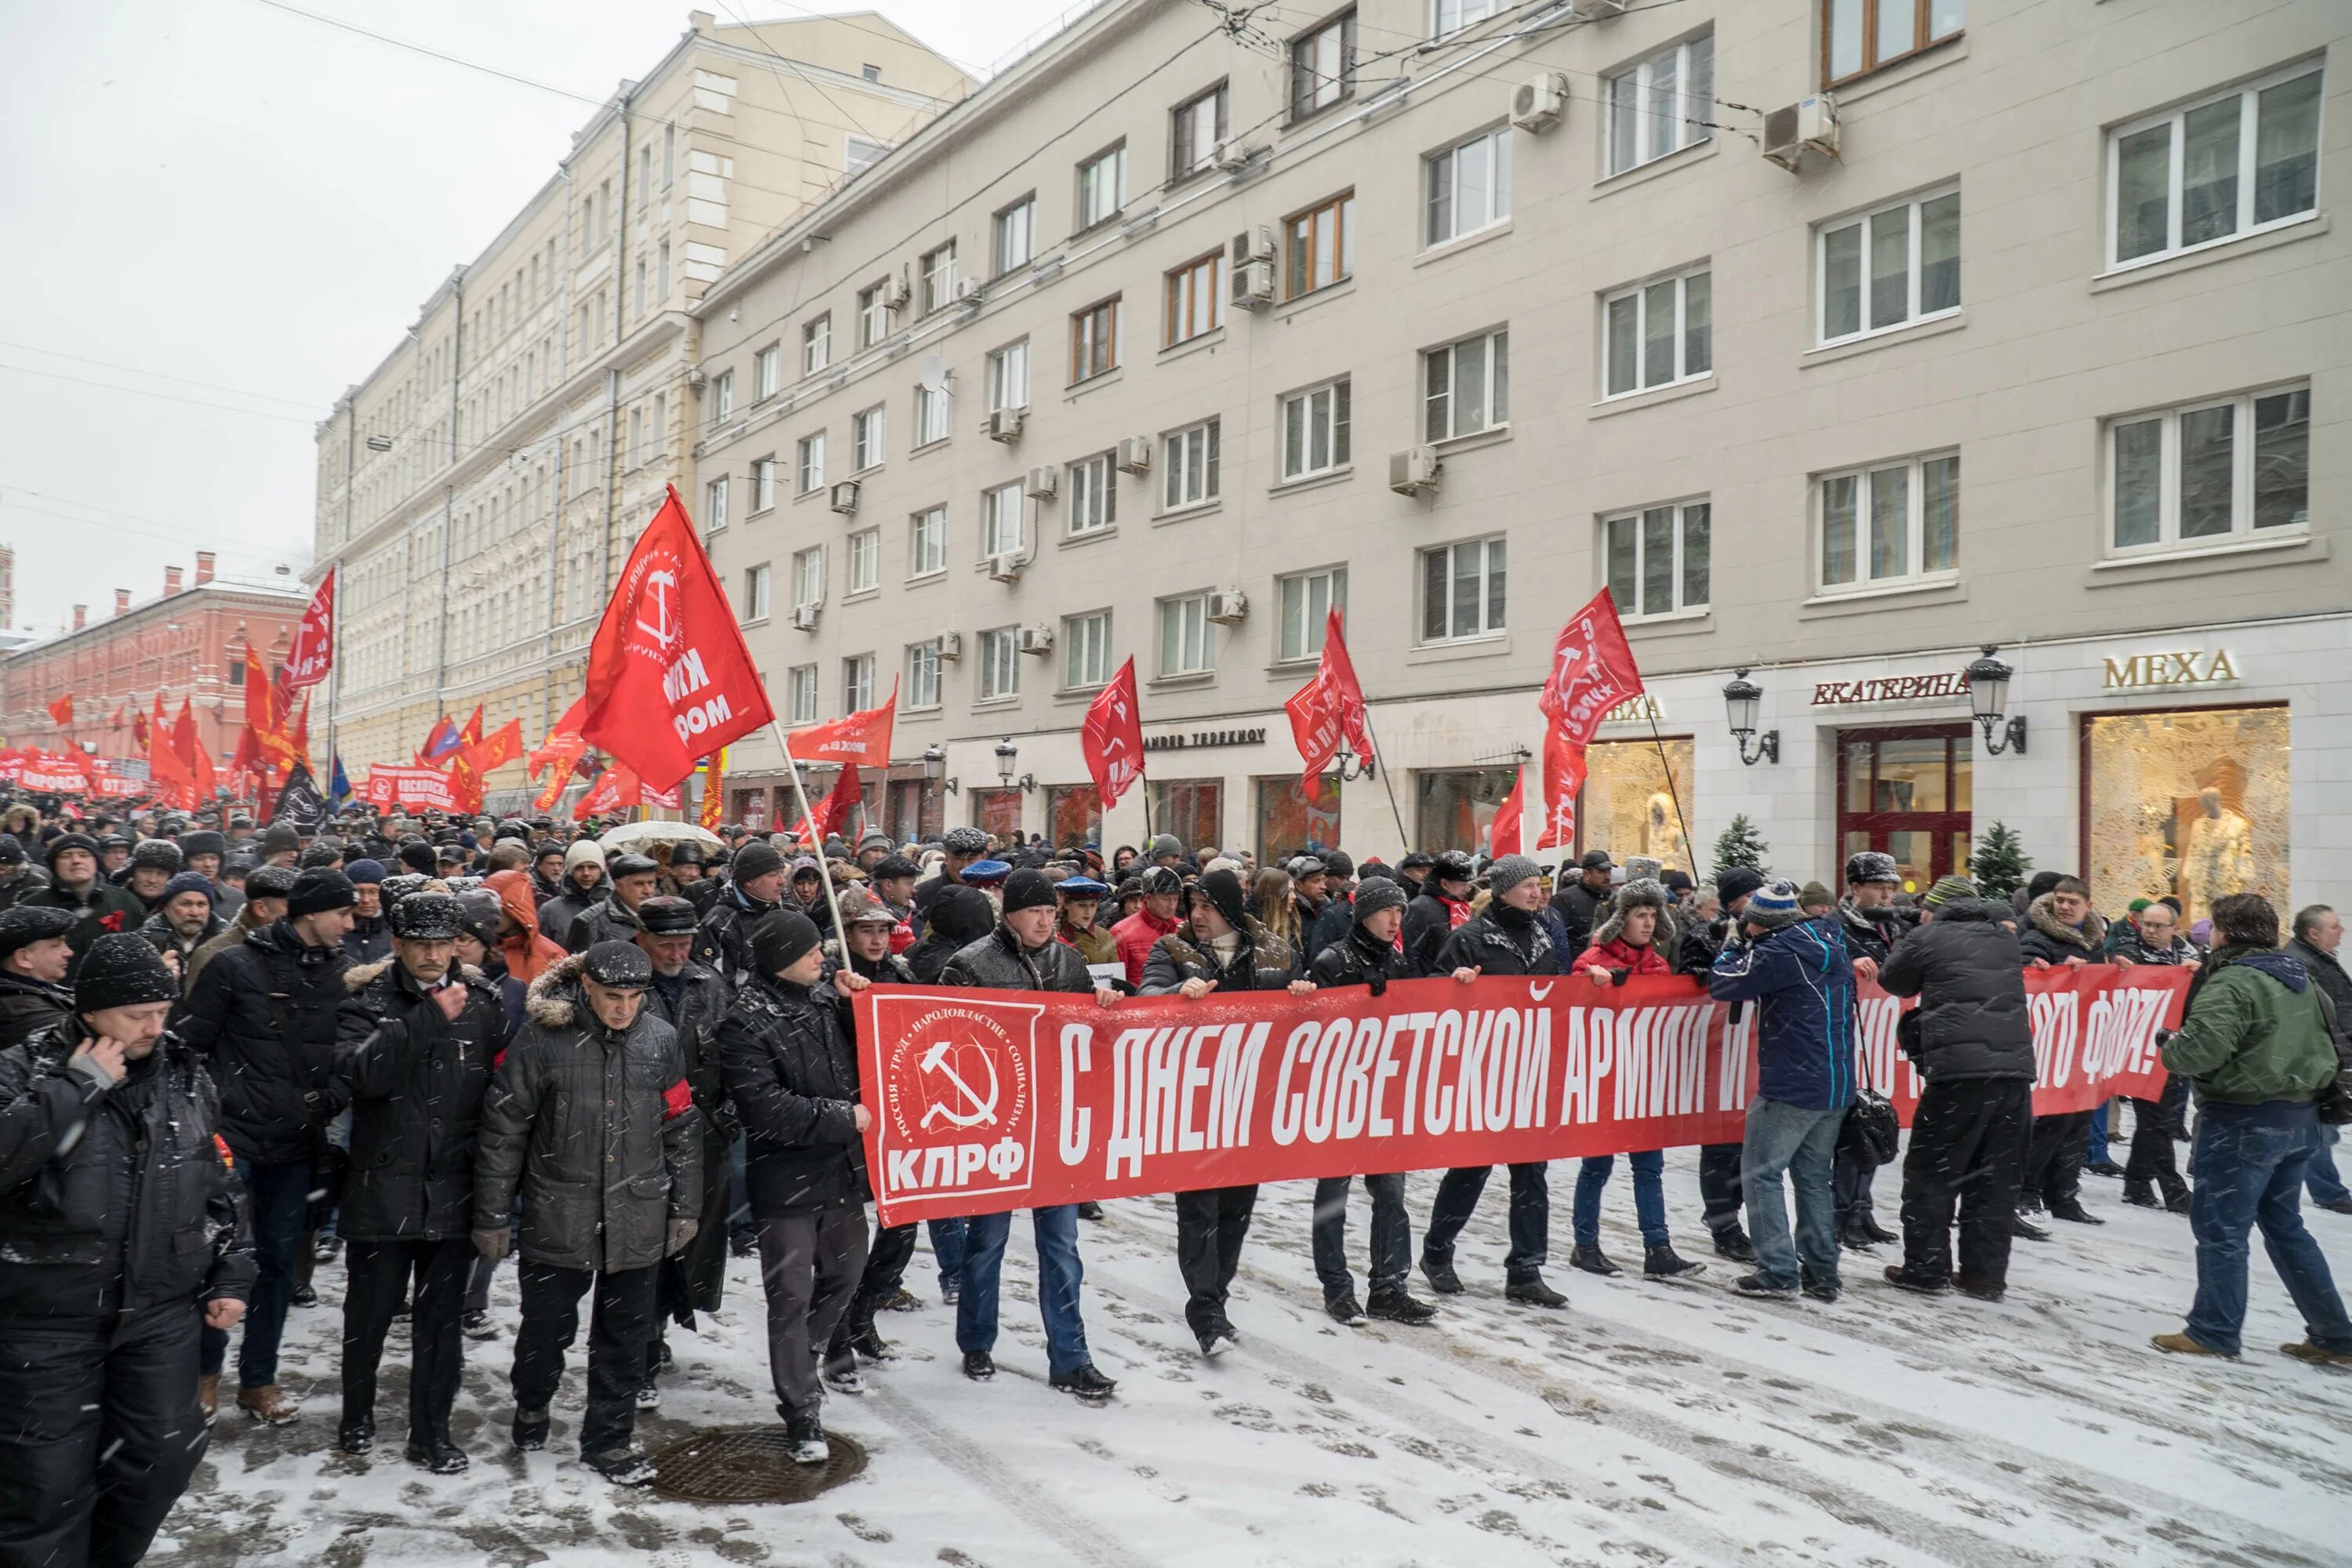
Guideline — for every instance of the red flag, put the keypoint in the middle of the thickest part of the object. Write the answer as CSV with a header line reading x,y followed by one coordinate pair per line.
x,y
114,721
668,677
175,781
862,737
61,711
313,653
1330,706
300,738
714,789
439,742
470,732
564,744
139,728
1592,670
496,748
832,812
189,749
1112,736
1505,836
616,789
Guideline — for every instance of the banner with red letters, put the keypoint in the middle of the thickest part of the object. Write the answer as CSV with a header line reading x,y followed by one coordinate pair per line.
x,y
427,789
986,1100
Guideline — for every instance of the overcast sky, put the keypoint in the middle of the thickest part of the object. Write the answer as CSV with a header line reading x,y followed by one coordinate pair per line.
x,y
229,194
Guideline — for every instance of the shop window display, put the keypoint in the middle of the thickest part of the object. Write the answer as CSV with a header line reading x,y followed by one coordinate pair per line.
x,y
1291,817
1628,806
1453,806
1191,809
997,812
2193,804
1073,815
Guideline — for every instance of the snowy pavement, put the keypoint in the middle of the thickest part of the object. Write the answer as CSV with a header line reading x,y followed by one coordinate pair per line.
x,y
1649,1422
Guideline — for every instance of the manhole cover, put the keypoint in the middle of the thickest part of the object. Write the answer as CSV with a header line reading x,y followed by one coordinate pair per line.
x,y
750,1464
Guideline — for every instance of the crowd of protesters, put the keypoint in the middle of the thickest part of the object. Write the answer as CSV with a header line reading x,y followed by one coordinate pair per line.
x,y
232,1056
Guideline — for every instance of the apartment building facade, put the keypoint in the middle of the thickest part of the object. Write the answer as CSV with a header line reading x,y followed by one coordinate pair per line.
x,y
480,487
1172,337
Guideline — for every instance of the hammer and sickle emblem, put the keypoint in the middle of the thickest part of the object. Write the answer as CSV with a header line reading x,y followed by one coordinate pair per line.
x,y
983,1106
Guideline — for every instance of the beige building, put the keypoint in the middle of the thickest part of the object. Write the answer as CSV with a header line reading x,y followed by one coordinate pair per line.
x,y
481,488
2025,325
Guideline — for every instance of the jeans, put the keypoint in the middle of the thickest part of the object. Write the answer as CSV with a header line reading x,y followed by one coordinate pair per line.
x,y
810,1261
623,1320
2096,1153
1803,1143
280,1196
2327,1186
377,1286
2249,1162
1391,1235
1648,1195
1059,1275
1457,1198
948,1248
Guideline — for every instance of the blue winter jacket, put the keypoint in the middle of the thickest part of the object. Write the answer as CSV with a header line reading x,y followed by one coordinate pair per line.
x,y
1802,982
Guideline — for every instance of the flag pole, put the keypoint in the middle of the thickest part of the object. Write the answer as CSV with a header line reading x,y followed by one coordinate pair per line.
x,y
825,872
1666,767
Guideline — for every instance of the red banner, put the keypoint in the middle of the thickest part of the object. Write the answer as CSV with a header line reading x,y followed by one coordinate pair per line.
x,y
427,789
985,1100
313,653
1112,736
1330,706
863,737
1592,671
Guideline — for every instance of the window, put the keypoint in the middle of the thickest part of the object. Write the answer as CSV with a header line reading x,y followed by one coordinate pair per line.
x,y
2208,472
923,674
999,663
939,278
1013,236
1094,494
870,72
1466,386
927,543
859,154
1657,333
658,433
714,505
661,270
1008,377
764,484
2216,169
1322,245
1102,187
1094,340
931,409
1187,637
812,462
999,520
1200,126
1194,304
1661,104
670,158
1086,655
800,684
1307,598
1461,591
1192,466
868,438
857,683
1452,15
1658,558
1897,523
755,593
1323,66
816,344
1890,269
1860,35
864,560
1469,186
722,397
808,576
1315,430
636,436
873,314
767,373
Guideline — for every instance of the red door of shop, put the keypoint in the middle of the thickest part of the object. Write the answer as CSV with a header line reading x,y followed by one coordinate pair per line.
x,y
1907,793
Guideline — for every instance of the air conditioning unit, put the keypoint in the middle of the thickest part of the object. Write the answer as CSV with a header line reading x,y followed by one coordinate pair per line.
x,y
1003,424
845,497
1252,245
1233,155
804,617
1538,102
697,378
1596,10
1135,454
1004,568
1253,288
895,293
1043,484
951,646
969,292
1229,608
1413,470
1808,125
1037,639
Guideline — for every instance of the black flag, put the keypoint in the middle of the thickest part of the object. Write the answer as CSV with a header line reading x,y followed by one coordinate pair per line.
x,y
299,802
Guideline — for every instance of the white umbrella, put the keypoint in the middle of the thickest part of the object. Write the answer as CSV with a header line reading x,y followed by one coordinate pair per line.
x,y
636,835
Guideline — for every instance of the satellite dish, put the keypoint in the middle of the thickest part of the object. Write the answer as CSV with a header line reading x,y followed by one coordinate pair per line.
x,y
935,373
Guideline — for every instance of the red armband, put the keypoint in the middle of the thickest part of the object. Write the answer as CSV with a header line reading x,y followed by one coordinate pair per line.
x,y
676,1100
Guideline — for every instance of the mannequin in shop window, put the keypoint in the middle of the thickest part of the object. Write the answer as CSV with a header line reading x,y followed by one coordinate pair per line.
x,y
2217,858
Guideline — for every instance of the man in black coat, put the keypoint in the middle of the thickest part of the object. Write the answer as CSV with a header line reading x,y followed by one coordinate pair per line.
x,y
866,954
1873,925
1580,903
34,959
417,1036
793,1075
1442,905
959,916
1225,949
1369,958
1507,939
635,878
755,887
262,1016
76,886
18,876
2317,942
1973,1039
122,1234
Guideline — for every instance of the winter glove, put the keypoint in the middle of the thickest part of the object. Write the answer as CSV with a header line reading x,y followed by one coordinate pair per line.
x,y
492,1244
681,1232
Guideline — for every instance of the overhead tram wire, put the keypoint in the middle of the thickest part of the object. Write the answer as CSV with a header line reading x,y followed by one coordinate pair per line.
x,y
166,396
158,375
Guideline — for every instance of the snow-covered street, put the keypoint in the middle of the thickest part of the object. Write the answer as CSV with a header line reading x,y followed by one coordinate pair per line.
x,y
1648,1423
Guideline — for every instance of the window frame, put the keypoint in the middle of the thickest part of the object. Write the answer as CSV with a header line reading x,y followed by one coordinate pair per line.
x,y
1182,605
714,503
1095,477
856,694
1183,291
985,684
2242,463
816,343
998,360
764,484
864,549
873,314
1003,224
917,531
1640,294
1183,132
869,438
1335,592
1076,641
1094,340
767,373
1631,608
1304,45
922,665
1689,129
800,693
930,425
722,397
1336,418
1340,212
937,271
1922,19
1493,384
1210,465
2249,93
1487,630
1497,140
808,463
1116,154
851,163
997,503
1915,242
1487,9
1916,573
809,572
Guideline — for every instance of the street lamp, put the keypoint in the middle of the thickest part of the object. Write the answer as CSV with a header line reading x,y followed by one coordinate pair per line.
x,y
935,764
1745,700
1350,767
1988,700
1007,756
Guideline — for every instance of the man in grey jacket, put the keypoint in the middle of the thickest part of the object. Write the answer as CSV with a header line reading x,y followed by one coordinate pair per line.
x,y
591,1113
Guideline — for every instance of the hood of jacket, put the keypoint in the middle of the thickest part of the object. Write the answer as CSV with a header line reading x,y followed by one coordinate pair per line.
x,y
528,953
2277,963
357,978
2091,936
555,999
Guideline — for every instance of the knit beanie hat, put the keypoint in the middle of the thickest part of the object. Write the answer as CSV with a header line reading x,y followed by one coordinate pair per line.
x,y
1028,889
1509,871
622,965
268,883
1949,889
960,915
1734,881
1377,893
1776,904
65,841
419,857
281,838
779,941
316,892
753,861
1814,893
365,873
189,882
1223,889
1163,844
121,970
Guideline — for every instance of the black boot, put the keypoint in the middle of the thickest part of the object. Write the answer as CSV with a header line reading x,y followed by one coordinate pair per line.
x,y
1902,1278
979,1365
621,1466
531,1430
1854,1239
1662,1262
1878,1233
1593,1261
2075,1214
2024,1231
1398,1307
1441,1277
1731,1241
438,1455
2139,1195
1345,1309
1535,1293
1091,1386
805,1437
356,1437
